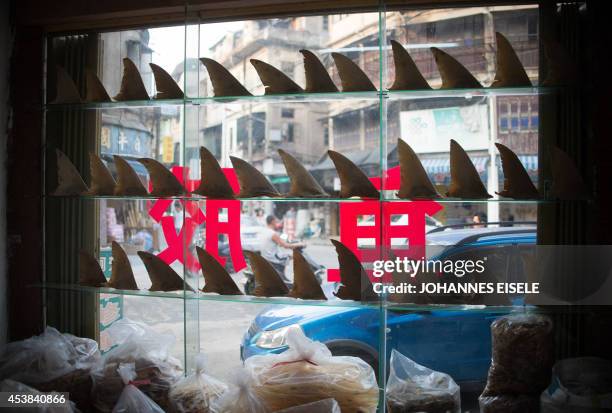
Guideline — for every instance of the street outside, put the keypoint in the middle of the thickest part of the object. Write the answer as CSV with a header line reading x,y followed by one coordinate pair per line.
x,y
222,324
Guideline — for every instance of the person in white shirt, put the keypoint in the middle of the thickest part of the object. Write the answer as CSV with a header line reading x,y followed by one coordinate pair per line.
x,y
271,242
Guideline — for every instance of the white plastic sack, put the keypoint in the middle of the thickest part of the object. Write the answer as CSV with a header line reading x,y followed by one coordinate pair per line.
x,y
322,406
196,392
239,398
46,357
12,386
131,399
415,388
579,385
307,372
148,350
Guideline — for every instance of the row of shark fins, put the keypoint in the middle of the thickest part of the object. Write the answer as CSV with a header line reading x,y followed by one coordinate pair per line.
x,y
466,183
414,182
132,86
510,73
355,284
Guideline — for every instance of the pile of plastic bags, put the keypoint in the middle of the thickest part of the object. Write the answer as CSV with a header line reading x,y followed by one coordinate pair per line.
x,y
415,388
307,372
155,371
52,361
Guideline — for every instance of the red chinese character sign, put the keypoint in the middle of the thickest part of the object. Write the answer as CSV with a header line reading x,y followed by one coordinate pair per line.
x,y
368,228
222,217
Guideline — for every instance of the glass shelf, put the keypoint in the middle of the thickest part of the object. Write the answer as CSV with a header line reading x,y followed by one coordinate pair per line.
x,y
312,97
471,93
115,105
202,199
311,199
247,299
188,295
288,97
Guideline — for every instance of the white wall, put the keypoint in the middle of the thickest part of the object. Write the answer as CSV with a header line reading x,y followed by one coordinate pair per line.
x,y
5,43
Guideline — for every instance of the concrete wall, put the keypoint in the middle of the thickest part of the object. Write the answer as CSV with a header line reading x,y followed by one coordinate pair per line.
x,y
5,52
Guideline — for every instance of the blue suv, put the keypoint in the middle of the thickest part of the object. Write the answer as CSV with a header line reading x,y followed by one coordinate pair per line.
x,y
452,339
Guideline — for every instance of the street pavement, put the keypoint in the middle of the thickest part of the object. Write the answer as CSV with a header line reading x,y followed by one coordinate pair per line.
x,y
221,324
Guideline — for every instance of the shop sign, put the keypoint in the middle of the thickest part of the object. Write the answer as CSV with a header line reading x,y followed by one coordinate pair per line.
x,y
222,217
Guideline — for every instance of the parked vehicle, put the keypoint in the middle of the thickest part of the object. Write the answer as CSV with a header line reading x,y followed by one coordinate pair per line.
x,y
452,339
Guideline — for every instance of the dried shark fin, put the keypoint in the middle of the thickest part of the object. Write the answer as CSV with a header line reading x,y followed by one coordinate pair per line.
x,y
274,80
414,182
132,87
454,75
317,78
216,279
353,79
355,282
353,182
465,181
213,182
128,182
567,180
166,87
517,183
69,181
562,69
268,283
305,284
407,74
90,273
66,90
223,82
163,277
122,276
102,182
95,89
510,70
164,182
303,183
252,182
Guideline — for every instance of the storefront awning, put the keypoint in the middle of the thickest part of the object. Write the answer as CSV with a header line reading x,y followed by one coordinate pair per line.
x,y
442,165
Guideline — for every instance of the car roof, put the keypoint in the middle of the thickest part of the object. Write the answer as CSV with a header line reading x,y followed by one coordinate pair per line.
x,y
473,235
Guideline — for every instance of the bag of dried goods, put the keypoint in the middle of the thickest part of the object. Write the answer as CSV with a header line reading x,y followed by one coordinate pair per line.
x,y
52,361
581,384
307,372
522,355
132,400
12,386
239,398
415,388
322,406
196,392
155,369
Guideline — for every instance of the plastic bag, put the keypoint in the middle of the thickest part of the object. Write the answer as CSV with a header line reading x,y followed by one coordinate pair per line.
x,y
509,404
415,388
307,372
132,400
12,386
322,406
239,398
154,367
522,355
196,392
52,361
581,384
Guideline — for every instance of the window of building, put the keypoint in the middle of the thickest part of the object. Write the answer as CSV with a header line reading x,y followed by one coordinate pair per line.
x,y
287,113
